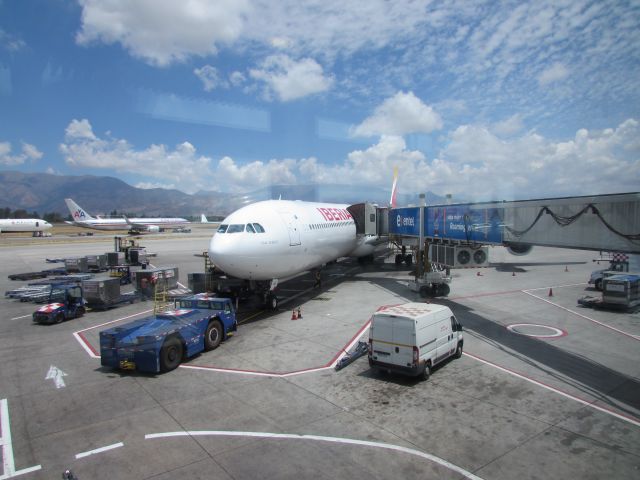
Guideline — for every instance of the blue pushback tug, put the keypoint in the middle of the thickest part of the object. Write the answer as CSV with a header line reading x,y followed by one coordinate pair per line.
x,y
160,342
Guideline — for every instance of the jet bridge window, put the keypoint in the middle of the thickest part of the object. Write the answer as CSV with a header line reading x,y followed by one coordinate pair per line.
x,y
235,228
222,228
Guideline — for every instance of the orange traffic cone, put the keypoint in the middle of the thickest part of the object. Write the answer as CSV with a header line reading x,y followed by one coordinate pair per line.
x,y
294,315
299,313
551,292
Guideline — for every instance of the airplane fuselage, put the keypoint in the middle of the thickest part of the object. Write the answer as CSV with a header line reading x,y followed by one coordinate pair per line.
x,y
279,238
23,225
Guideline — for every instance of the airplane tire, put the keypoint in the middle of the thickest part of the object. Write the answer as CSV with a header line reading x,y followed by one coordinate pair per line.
x,y
408,259
398,259
213,335
272,302
170,354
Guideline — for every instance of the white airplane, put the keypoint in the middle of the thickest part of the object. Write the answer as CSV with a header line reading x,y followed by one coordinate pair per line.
x,y
135,225
23,225
274,240
203,219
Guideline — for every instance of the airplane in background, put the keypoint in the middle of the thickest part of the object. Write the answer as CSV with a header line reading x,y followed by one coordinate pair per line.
x,y
23,225
273,240
135,225
203,219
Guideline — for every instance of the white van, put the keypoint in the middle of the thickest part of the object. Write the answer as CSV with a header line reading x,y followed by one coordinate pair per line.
x,y
413,337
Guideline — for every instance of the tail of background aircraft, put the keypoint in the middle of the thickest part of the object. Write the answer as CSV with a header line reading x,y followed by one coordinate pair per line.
x,y
77,212
394,188
203,219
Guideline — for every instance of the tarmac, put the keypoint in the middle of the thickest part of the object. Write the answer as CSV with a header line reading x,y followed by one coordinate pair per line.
x,y
545,388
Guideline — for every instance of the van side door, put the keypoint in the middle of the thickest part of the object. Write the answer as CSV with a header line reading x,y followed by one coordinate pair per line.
x,y
443,342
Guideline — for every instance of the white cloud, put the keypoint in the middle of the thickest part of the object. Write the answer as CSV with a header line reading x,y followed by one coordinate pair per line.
x,y
181,166
210,78
237,78
289,79
11,42
509,126
401,114
163,31
554,73
29,153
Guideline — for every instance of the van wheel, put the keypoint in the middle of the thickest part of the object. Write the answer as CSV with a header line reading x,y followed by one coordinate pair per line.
x,y
459,351
599,285
426,372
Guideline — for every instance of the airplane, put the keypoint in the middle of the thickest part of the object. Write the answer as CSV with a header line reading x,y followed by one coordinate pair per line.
x,y
272,240
23,225
203,219
136,225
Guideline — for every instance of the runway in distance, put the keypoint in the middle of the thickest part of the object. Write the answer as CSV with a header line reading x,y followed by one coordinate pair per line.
x,y
274,240
23,225
135,225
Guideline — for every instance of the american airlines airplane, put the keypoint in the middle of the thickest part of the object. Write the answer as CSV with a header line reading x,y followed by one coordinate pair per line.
x,y
23,225
274,240
135,225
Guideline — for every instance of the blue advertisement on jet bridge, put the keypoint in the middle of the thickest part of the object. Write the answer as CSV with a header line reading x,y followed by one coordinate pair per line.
x,y
465,223
405,221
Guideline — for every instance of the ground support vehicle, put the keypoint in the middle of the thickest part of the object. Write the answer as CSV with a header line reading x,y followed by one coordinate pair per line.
x,y
412,338
597,276
71,305
620,292
160,342
432,284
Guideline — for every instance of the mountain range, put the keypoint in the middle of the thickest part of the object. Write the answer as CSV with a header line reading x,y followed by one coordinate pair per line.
x,y
43,193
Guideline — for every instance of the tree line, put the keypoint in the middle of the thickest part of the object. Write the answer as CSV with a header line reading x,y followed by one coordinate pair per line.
x,y
51,217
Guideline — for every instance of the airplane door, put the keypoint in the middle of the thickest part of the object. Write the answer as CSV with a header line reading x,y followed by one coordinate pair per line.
x,y
291,220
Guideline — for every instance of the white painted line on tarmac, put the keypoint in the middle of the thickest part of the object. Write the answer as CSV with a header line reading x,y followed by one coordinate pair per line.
x,y
18,318
8,463
99,450
317,438
635,337
626,418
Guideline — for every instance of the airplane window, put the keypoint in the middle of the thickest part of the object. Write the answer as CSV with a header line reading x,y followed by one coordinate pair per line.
x,y
222,228
249,228
235,228
258,228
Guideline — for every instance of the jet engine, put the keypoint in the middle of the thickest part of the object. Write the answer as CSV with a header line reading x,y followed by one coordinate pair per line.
x,y
518,249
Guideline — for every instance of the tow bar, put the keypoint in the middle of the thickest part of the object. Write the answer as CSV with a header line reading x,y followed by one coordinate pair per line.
x,y
361,349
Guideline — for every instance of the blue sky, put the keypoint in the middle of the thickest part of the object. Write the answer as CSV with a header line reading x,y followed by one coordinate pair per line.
x,y
482,100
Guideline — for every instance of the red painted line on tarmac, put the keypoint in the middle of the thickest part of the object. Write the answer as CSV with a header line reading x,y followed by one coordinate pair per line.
x,y
609,411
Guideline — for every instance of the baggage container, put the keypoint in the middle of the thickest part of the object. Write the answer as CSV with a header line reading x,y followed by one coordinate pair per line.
x,y
115,258
144,280
97,263
78,264
622,290
101,292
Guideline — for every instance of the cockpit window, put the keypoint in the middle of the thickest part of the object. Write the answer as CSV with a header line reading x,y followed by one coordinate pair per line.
x,y
249,228
235,228
258,228
222,228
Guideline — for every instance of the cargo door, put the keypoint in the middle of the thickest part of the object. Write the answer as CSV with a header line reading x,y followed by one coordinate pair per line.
x,y
382,338
293,227
444,339
404,338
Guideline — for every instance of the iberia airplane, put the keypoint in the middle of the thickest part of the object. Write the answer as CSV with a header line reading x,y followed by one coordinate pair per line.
x,y
274,240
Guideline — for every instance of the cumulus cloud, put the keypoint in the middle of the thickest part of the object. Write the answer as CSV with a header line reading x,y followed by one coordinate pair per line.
x,y
554,73
509,126
401,114
29,153
181,166
10,42
289,79
162,31
210,78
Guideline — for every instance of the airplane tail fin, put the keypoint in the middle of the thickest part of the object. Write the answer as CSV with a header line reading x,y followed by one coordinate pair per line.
x,y
203,219
77,212
394,188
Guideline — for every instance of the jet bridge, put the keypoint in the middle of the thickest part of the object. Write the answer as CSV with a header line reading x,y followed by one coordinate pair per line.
x,y
599,222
